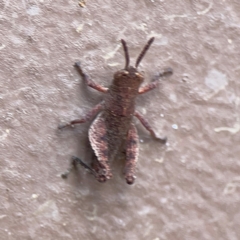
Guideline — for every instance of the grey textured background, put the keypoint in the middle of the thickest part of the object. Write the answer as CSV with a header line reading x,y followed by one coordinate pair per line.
x,y
188,189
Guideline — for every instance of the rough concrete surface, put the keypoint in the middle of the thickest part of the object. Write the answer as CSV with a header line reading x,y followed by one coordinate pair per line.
x,y
188,189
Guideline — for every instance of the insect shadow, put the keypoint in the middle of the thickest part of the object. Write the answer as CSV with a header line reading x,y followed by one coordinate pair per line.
x,y
113,128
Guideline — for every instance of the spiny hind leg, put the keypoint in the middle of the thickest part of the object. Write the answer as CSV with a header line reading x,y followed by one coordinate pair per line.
x,y
131,155
74,162
100,173
99,143
94,169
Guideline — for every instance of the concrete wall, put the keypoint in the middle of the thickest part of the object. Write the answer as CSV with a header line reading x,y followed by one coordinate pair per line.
x,y
188,189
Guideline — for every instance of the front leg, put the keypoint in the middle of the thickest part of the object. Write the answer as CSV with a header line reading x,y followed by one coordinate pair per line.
x,y
89,116
167,72
89,82
149,128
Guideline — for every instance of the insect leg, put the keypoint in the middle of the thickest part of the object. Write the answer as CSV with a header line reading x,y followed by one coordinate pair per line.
x,y
99,143
167,72
74,162
90,115
89,82
149,128
131,155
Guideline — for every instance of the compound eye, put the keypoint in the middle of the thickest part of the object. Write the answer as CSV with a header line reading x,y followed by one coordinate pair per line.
x,y
125,73
137,74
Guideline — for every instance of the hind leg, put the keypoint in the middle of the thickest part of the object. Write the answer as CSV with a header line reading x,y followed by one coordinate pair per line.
x,y
94,169
131,155
73,165
99,143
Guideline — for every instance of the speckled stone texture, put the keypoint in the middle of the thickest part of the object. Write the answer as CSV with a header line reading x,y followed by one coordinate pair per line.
x,y
189,189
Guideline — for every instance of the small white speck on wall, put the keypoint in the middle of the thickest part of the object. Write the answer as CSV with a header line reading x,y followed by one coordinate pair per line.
x,y
175,126
33,10
216,80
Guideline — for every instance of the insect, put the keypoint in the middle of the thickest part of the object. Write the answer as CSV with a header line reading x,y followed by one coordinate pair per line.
x,y
113,128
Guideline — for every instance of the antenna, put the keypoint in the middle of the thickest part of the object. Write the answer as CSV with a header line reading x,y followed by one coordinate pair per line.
x,y
125,49
141,55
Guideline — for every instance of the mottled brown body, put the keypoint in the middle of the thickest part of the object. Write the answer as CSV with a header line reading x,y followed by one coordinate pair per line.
x,y
113,128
